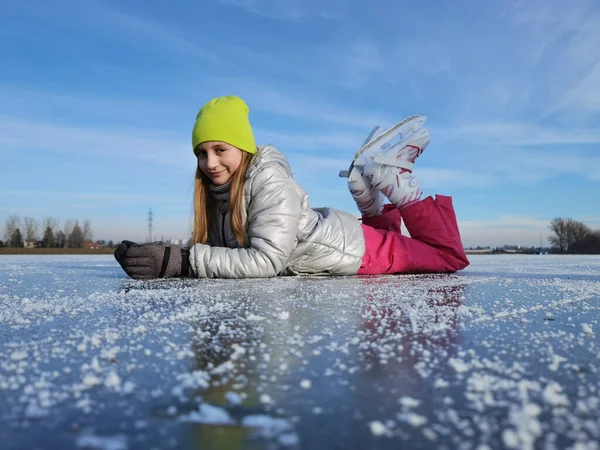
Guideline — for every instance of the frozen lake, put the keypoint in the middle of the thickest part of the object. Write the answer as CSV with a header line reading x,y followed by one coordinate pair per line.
x,y
505,354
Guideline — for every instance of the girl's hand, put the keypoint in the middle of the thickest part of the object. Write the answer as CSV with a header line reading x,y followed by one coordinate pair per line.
x,y
154,260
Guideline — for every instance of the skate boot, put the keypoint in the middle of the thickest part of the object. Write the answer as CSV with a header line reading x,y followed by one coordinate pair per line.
x,y
368,199
390,171
384,145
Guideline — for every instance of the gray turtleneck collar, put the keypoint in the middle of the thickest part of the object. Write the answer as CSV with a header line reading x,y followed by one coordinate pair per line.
x,y
221,195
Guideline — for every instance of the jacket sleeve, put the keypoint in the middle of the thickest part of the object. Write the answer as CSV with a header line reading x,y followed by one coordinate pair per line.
x,y
273,218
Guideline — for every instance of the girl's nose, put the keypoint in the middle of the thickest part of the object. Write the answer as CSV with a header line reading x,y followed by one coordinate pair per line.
x,y
212,161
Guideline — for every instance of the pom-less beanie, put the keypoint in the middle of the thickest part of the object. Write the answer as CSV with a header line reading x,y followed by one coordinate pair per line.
x,y
224,119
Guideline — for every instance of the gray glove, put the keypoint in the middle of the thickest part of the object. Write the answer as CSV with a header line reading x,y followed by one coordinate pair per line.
x,y
154,260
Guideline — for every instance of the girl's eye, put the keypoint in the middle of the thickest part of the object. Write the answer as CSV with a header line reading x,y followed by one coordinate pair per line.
x,y
220,150
201,154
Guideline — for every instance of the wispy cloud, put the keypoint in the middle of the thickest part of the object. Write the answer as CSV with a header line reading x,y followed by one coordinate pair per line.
x,y
288,102
434,178
518,134
359,62
569,46
95,199
281,100
123,145
290,9
325,142
162,36
24,101
507,222
584,95
526,167
556,163
389,63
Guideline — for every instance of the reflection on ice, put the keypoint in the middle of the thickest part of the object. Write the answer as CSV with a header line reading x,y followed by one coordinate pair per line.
x,y
504,354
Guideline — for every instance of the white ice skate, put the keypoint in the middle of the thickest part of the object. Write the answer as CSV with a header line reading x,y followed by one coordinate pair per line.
x,y
399,185
390,171
384,148
368,199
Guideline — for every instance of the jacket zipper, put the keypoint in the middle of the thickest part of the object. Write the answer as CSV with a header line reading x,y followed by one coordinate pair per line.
x,y
223,230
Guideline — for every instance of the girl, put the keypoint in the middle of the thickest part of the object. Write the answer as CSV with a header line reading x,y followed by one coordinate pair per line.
x,y
251,219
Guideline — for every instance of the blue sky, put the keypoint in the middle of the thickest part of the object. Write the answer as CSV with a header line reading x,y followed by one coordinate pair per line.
x,y
98,98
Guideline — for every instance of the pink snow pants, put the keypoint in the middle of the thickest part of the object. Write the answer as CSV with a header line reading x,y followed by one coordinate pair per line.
x,y
434,245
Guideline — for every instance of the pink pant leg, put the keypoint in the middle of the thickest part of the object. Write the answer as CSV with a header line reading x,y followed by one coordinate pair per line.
x,y
435,245
390,219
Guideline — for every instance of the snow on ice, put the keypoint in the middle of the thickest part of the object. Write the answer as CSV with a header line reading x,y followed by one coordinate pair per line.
x,y
503,354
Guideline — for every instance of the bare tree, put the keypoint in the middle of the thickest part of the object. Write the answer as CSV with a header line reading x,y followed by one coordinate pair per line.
x,y
31,228
559,239
589,245
578,231
567,232
87,230
12,224
50,222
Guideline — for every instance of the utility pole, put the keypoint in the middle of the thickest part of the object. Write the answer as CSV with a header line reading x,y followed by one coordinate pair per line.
x,y
150,225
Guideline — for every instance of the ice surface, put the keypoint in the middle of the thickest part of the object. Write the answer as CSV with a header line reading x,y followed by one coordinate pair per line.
x,y
503,354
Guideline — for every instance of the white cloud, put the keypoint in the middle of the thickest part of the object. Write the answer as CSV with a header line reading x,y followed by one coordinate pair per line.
x,y
506,230
130,145
283,100
435,178
289,102
563,163
568,49
95,199
163,37
335,140
518,134
30,102
507,222
136,229
290,9
585,94
512,230
370,62
358,63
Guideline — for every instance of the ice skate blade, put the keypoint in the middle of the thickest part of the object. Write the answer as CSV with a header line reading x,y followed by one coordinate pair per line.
x,y
375,132
400,132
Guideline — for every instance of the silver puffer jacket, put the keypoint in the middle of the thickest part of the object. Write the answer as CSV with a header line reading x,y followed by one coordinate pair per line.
x,y
285,236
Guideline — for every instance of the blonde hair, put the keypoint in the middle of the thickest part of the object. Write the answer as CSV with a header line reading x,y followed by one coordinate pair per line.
x,y
202,204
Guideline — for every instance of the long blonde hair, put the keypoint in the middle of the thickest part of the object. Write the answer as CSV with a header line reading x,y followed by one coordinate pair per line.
x,y
202,204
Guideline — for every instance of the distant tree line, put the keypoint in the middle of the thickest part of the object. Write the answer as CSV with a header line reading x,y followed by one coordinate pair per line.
x,y
47,233
571,236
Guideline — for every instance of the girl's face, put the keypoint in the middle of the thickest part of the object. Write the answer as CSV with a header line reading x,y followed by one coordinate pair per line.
x,y
218,160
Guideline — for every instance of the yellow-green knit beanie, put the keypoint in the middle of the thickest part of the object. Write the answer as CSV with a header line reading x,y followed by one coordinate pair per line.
x,y
224,119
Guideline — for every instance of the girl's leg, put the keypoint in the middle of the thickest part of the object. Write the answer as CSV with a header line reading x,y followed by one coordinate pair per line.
x,y
435,245
390,219
434,222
